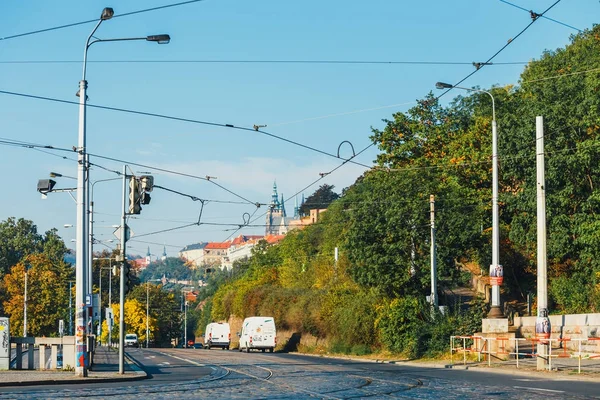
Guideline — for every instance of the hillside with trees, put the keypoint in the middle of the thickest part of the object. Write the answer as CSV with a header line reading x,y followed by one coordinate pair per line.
x,y
373,297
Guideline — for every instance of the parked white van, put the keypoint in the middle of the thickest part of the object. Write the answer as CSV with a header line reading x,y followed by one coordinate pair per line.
x,y
217,334
258,333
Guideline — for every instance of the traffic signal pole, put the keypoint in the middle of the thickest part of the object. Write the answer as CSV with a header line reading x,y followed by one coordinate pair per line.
x,y
122,278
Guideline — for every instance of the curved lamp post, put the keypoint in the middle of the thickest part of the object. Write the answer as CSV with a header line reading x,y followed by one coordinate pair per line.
x,y
82,245
495,310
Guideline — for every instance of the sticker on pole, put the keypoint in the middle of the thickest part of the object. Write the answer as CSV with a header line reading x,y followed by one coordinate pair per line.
x,y
496,275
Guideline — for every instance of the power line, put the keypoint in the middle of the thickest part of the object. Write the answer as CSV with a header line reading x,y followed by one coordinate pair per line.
x,y
325,62
256,128
535,15
18,143
96,19
499,51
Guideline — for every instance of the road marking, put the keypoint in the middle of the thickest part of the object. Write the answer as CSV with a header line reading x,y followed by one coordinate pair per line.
x,y
539,389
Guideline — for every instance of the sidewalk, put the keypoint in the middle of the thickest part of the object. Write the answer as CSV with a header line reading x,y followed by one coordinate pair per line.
x,y
105,369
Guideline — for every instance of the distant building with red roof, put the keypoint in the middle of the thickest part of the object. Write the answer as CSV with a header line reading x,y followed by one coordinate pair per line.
x,y
215,252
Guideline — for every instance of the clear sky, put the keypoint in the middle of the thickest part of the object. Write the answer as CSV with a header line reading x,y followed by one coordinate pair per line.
x,y
318,105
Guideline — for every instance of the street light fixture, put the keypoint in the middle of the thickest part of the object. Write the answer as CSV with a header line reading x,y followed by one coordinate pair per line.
x,y
83,187
495,310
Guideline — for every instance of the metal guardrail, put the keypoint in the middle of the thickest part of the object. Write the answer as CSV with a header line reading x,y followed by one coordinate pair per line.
x,y
482,347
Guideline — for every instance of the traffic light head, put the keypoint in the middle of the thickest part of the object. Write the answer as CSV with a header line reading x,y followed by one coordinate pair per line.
x,y
145,198
134,196
128,278
147,182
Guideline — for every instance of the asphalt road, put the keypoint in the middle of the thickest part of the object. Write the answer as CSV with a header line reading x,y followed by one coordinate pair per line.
x,y
220,374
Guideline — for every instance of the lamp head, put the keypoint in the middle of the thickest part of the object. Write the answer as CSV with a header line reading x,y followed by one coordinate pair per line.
x,y
107,14
160,39
442,85
55,175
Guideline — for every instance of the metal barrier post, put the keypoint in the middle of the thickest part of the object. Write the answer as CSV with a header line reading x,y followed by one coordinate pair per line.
x,y
517,347
549,354
489,348
451,349
464,353
579,368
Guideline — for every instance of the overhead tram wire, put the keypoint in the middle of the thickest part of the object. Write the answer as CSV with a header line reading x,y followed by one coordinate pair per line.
x,y
34,146
250,222
334,62
511,40
180,119
542,16
96,20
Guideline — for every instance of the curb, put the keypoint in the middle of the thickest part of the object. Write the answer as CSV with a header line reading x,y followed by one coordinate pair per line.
x,y
474,368
138,375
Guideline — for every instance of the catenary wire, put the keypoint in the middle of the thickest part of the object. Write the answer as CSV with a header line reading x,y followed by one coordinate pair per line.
x,y
542,16
180,119
96,19
334,62
511,40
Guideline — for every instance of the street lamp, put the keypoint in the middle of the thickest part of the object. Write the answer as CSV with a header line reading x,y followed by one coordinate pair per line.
x,y
91,232
82,246
100,296
495,310
27,266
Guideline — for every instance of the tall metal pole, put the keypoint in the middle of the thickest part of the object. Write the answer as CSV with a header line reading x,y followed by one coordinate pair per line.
x,y
122,280
147,314
433,298
100,303
110,301
25,306
495,311
70,308
542,278
496,270
185,322
82,225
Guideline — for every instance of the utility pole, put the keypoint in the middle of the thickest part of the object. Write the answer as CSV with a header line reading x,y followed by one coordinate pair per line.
x,y
71,308
25,304
147,314
433,298
542,279
122,278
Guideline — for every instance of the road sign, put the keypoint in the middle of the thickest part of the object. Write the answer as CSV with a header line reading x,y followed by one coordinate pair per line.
x,y
61,327
128,233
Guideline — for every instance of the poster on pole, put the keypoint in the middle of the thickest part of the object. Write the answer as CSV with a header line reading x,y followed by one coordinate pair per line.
x,y
496,275
542,324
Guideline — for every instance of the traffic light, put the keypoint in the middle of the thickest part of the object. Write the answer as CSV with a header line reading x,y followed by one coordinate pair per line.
x,y
145,198
147,182
134,196
128,280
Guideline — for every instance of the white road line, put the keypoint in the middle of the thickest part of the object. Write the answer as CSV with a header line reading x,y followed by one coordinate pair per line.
x,y
539,389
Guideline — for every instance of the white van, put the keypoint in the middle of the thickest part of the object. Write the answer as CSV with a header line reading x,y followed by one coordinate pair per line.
x,y
217,334
131,340
258,333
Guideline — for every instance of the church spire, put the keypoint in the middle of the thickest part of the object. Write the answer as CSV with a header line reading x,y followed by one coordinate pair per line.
x,y
282,206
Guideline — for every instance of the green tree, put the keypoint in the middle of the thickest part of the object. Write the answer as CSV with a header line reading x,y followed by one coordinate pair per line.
x,y
48,295
320,199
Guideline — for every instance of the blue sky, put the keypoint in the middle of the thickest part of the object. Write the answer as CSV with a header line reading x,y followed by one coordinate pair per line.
x,y
318,105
